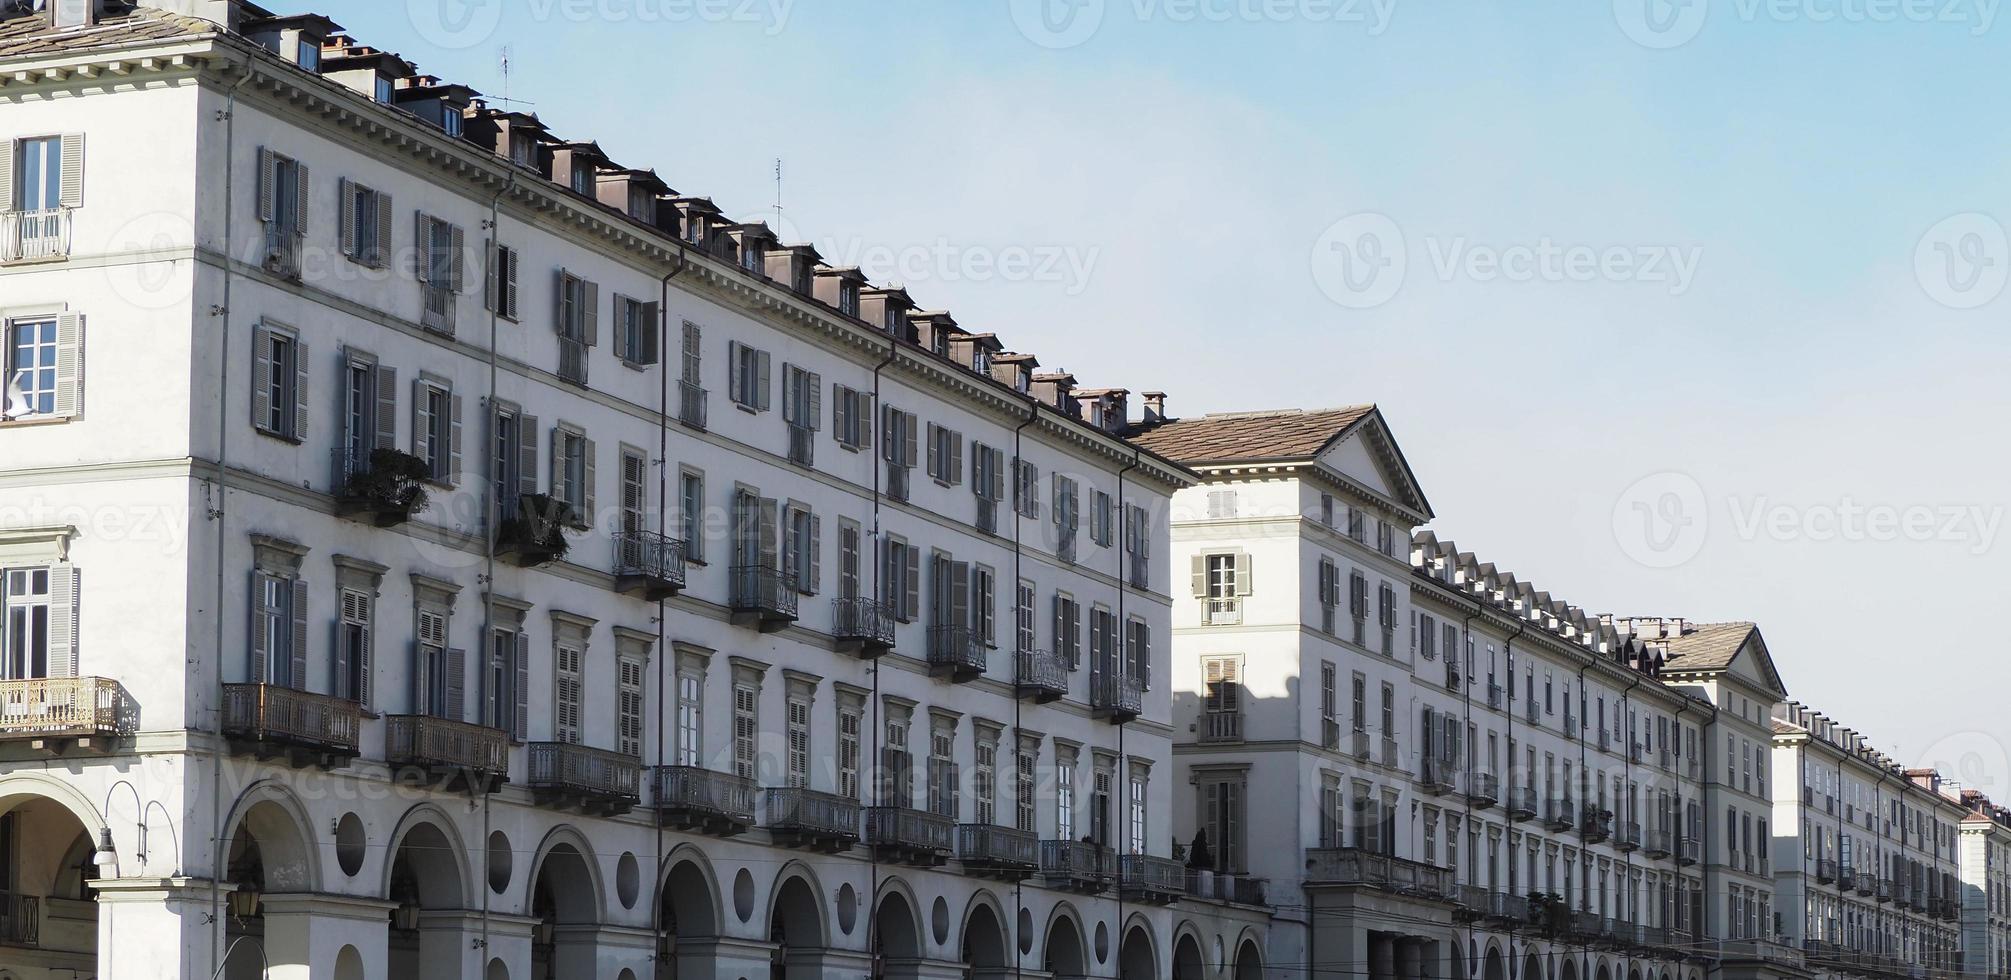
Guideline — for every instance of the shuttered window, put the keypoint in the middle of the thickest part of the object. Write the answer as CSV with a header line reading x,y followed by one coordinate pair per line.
x,y
499,286
628,706
364,217
636,322
852,417
946,455
1221,678
848,753
279,386
568,688
745,731
353,646
38,637
748,385
436,429
43,367
799,742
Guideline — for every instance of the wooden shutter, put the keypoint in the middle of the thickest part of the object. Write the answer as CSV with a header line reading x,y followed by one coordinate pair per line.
x,y
456,263
63,617
587,479
733,392
454,440
558,461
345,215
911,601
298,649
385,215
7,151
491,276
792,382
1142,657
956,458
527,453
590,299
300,197
457,680
71,192
261,638
387,407
300,361
1243,563
422,248
652,337
521,727
69,364
261,378
960,594
422,422
1200,576
816,554
266,164
762,396
562,322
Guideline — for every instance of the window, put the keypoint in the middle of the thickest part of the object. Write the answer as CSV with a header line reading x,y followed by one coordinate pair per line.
x,y
984,613
901,579
282,206
1066,516
1386,617
439,271
365,217
38,636
803,411
515,463
691,514
279,625
578,324
1222,821
48,174
943,791
352,639
1023,805
745,730
946,455
802,554
506,676
1068,631
848,752
42,362
799,742
1022,614
748,385
690,717
499,291
279,383
1357,525
1358,606
1026,488
635,321
1099,805
628,706
634,490
1102,514
988,483
984,757
438,672
436,429
1138,546
1359,701
1138,652
1221,678
568,689
852,417
898,449
573,472
1327,509
1221,580
1330,595
369,409
1064,799
1330,725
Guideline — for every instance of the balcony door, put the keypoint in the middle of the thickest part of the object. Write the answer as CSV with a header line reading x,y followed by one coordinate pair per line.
x,y
26,641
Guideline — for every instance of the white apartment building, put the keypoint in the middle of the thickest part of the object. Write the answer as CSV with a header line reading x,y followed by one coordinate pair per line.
x,y
1875,883
433,549
1986,887
1476,779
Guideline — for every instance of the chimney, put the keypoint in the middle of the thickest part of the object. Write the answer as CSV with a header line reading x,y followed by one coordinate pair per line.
x,y
1155,407
76,13
229,13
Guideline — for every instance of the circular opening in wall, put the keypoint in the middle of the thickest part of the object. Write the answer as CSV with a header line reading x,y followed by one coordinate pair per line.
x,y
848,908
939,920
499,862
1102,942
627,879
1025,932
350,844
743,895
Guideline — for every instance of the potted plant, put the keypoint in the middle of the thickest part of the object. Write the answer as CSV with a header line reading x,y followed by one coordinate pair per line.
x,y
535,534
392,487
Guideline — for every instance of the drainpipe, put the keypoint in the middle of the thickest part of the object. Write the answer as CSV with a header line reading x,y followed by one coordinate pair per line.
x,y
879,725
493,511
1123,773
1508,661
1458,657
1627,771
662,529
1018,888
228,116
1676,818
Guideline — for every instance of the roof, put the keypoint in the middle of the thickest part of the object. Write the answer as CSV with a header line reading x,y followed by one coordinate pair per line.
x,y
1285,434
1711,646
36,33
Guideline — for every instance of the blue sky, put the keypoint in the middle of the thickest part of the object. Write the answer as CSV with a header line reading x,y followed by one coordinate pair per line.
x,y
1189,170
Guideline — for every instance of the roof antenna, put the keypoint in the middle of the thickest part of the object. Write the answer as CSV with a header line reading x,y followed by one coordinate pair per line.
x,y
503,62
778,195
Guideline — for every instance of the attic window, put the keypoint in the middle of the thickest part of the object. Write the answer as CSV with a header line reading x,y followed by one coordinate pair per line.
x,y
752,257
802,284
522,149
583,177
309,54
639,200
981,361
940,342
450,120
384,89
848,298
892,318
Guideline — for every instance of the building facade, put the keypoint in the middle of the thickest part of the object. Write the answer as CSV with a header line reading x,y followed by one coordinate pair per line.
x,y
435,549
1986,886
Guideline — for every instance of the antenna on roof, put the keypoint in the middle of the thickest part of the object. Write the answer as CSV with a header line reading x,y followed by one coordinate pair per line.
x,y
503,63
778,195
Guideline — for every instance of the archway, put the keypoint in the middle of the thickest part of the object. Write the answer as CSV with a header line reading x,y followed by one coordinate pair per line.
x,y
270,853
348,964
796,927
565,901
1187,962
1604,972
1532,966
1494,968
1250,961
1569,971
46,874
897,938
427,881
1065,956
1137,959
1633,973
688,912
985,944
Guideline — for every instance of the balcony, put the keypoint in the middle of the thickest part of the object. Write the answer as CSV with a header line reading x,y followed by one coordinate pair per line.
x,y
593,781
438,315
383,485
1217,727
1559,816
695,798
573,361
1884,892
1596,826
1118,697
1533,714
648,564
1223,887
991,851
1483,789
1762,951
1634,753
35,236
1494,696
1391,757
471,755
763,597
54,713
956,652
283,250
691,406
902,835
1570,728
1500,908
862,626
1452,677
20,920
307,729
800,817
1521,803
1435,776
1361,744
1656,845
1150,880
1862,883
1629,836
1825,871
1470,902
534,533
1688,851
1351,867
1585,926
1078,866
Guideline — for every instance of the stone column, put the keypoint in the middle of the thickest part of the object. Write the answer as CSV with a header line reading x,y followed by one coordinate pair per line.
x,y
724,959
155,928
1409,958
818,964
307,930
1382,957
450,943
923,969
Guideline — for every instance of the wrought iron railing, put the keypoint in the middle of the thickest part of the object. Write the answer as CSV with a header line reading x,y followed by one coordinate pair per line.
x,y
645,557
910,829
1040,674
1078,862
1353,866
269,713
573,360
956,650
1483,789
992,846
66,706
1521,802
793,809
1224,887
569,768
441,743
691,405
20,919
27,236
1151,878
765,590
802,445
1221,726
858,619
1118,694
696,789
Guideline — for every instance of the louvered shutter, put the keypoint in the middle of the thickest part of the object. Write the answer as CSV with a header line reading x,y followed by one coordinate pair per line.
x,y
1211,684
421,676
301,198
69,364
960,594
652,338
956,457
590,316
841,425
491,277
762,398
816,553
456,262
298,674
266,164
522,725
792,382
422,422
815,391
345,215
1243,563
261,637
562,323
558,462
1059,624
422,248
733,392
454,441
339,667
1232,685
457,680
1142,657
587,480
261,378
63,618
71,192
385,215
7,150
1200,576
387,407
891,450
935,466
527,454
912,584
300,362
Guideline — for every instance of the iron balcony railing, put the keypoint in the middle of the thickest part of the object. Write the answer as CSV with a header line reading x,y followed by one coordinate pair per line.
x,y
573,361
1628,837
20,920
691,405
66,707
1483,789
991,849
1605,740
1392,757
1494,696
1862,883
1436,775
1885,889
582,772
1634,753
1656,843
1120,696
281,715
28,236
1689,850
720,801
808,816
1224,887
1352,866
1570,727
1452,677
1533,713
442,744
864,623
1596,826
1585,924
648,563
1145,878
1762,950
764,591
1079,865
912,836
802,445
1559,815
956,651
1221,726
283,250
438,314
1040,675
1825,870
1521,802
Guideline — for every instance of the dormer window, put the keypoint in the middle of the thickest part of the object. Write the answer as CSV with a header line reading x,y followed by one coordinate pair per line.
x,y
384,89
981,361
1021,383
450,120
639,201
583,178
310,56
940,342
803,279
752,257
892,319
523,152
848,298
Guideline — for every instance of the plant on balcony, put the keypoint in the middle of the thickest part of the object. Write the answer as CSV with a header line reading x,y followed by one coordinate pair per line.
x,y
1549,912
393,486
1198,857
535,534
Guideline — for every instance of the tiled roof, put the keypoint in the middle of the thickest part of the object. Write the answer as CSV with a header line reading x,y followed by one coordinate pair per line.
x,y
1710,646
36,34
1286,434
